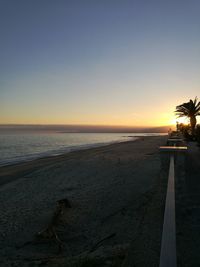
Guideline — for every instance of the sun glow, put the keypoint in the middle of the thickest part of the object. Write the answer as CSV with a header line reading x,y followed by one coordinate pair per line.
x,y
183,120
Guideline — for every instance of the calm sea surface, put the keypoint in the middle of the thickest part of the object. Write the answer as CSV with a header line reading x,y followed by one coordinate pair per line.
x,y
18,147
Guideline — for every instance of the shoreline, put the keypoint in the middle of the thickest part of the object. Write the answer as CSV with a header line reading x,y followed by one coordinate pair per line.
x,y
55,153
18,159
20,168
115,191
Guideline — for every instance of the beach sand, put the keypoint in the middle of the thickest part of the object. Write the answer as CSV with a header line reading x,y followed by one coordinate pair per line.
x,y
117,194
188,208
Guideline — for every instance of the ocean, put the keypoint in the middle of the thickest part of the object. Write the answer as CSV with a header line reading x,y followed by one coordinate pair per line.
x,y
16,147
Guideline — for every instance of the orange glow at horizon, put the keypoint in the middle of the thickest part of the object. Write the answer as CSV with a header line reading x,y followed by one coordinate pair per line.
x,y
126,120
125,116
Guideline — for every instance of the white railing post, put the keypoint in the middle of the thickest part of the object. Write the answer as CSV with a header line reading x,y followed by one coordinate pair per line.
x,y
168,245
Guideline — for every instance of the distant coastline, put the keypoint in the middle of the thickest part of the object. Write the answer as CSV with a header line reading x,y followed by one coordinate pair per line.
x,y
83,128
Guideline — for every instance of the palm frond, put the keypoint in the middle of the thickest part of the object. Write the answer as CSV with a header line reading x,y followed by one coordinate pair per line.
x,y
188,109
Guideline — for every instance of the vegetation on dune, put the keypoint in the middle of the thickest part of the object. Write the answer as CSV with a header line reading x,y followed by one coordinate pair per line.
x,y
191,110
185,130
198,134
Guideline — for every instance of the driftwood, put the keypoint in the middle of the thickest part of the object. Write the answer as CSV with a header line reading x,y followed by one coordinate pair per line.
x,y
101,241
83,254
50,231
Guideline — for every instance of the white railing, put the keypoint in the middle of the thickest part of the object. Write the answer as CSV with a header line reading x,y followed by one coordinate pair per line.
x,y
168,243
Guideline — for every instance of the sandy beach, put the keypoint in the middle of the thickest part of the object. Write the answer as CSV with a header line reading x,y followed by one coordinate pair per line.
x,y
188,208
117,196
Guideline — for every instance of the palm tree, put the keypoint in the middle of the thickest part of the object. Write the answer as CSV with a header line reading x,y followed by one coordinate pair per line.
x,y
189,109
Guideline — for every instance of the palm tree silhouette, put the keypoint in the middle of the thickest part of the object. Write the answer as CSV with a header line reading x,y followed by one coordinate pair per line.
x,y
189,109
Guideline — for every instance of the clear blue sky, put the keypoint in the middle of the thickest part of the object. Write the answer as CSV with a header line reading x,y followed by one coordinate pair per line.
x,y
97,62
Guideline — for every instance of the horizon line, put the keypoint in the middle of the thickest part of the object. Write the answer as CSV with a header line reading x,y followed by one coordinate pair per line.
x,y
84,125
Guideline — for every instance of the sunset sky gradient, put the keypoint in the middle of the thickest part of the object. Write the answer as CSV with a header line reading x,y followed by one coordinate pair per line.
x,y
98,62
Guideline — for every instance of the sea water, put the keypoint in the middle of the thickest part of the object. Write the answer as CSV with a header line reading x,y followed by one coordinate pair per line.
x,y
22,146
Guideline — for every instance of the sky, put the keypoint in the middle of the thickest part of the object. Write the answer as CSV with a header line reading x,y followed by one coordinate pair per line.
x,y
98,62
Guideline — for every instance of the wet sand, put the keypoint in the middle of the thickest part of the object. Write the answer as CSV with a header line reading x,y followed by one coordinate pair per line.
x,y
117,195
